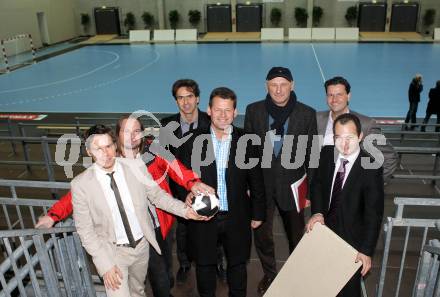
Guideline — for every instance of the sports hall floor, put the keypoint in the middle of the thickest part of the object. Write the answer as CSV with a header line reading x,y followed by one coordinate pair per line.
x,y
107,80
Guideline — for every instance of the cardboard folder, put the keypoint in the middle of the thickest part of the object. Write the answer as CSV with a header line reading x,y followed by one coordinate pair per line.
x,y
320,266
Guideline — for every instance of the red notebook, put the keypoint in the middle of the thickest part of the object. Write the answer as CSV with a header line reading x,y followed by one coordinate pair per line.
x,y
300,191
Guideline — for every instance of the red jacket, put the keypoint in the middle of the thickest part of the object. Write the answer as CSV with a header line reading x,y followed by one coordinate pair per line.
x,y
159,168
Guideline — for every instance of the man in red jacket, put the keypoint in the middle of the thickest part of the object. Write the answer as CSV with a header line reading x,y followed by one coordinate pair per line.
x,y
130,145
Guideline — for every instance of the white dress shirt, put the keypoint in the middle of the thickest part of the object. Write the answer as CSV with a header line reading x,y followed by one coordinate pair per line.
x,y
104,181
328,137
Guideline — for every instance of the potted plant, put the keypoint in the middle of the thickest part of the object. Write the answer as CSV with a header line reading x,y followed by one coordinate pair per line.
x,y
275,16
148,20
317,15
130,21
301,16
85,22
194,17
428,19
351,15
173,17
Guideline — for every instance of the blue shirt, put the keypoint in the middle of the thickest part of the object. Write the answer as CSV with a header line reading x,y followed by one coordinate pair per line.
x,y
221,152
277,144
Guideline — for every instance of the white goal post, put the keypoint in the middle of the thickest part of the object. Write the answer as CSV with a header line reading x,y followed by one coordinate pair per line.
x,y
12,47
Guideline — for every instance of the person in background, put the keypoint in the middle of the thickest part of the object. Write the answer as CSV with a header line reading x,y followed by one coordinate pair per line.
x,y
414,90
338,93
433,106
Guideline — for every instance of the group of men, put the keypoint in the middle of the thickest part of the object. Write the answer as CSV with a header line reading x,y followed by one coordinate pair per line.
x,y
116,221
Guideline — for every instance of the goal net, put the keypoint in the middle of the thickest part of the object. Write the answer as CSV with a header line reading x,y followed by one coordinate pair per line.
x,y
16,51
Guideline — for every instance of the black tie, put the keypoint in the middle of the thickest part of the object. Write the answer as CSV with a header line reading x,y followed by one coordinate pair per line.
x,y
191,127
122,212
336,197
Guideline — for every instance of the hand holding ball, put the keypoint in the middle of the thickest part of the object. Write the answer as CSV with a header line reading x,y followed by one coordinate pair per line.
x,y
205,204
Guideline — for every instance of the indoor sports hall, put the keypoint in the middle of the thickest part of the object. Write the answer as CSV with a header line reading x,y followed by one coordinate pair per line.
x,y
66,65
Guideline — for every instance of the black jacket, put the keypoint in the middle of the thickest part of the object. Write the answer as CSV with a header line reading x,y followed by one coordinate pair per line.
x,y
202,235
203,123
414,91
277,179
434,101
359,217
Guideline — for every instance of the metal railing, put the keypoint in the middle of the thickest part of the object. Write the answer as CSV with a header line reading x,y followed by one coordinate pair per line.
x,y
36,262
23,212
10,132
47,262
428,280
401,150
408,225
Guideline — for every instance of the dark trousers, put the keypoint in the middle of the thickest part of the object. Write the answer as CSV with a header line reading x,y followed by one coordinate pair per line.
x,y
412,112
236,272
181,243
293,223
158,267
427,117
353,287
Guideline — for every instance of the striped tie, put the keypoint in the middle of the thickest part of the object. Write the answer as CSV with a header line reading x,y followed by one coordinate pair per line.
x,y
336,197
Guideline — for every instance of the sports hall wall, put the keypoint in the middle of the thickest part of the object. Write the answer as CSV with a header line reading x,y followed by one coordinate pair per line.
x,y
63,16
17,17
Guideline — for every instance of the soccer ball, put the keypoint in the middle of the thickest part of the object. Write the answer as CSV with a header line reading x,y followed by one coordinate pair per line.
x,y
205,204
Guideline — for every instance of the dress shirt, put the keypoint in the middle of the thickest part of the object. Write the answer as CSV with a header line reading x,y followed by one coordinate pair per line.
x,y
221,151
104,181
185,126
328,137
277,144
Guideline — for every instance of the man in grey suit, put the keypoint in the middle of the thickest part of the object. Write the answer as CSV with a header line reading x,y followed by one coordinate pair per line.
x,y
338,97
281,121
110,208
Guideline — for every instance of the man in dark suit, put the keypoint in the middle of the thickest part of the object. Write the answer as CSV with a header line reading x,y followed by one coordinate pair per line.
x,y
280,121
186,92
238,212
347,195
338,92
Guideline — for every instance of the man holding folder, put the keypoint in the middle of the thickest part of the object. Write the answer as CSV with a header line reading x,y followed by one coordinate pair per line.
x,y
347,195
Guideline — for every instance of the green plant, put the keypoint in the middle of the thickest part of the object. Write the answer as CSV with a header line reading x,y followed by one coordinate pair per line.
x,y
194,17
148,20
351,15
429,17
130,21
275,16
317,15
301,16
173,17
85,22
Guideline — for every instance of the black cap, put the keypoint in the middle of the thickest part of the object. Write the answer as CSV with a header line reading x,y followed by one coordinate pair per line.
x,y
279,72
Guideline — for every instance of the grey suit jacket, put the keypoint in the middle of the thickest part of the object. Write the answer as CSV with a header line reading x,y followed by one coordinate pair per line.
x,y
92,215
368,127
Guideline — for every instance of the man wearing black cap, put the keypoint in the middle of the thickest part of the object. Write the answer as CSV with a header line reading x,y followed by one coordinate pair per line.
x,y
282,118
